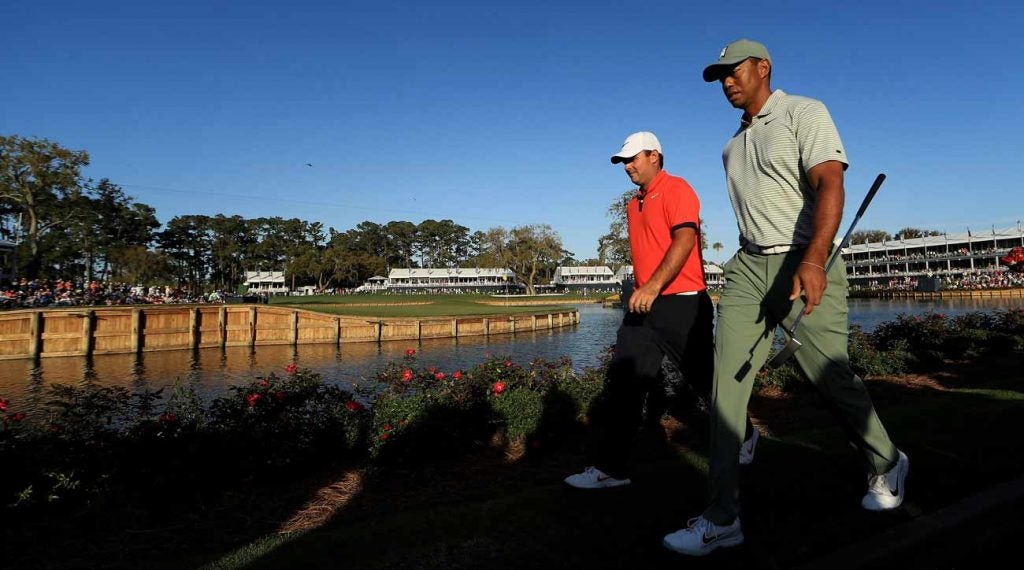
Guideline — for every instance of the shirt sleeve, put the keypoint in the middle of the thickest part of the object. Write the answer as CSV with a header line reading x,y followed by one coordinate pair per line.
x,y
682,208
817,136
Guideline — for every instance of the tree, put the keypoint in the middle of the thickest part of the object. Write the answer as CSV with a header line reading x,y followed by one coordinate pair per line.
x,y
37,180
865,236
402,237
186,241
613,247
526,251
908,233
717,246
138,265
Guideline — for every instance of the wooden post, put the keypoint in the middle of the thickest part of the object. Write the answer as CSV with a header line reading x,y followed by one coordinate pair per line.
x,y
551,322
295,326
487,327
222,325
87,330
337,331
252,326
455,328
533,322
419,329
379,326
35,341
193,327
512,323
136,341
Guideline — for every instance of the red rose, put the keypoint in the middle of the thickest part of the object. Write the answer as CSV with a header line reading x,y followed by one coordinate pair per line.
x,y
18,416
279,396
457,375
410,351
432,369
406,375
385,436
353,405
498,388
439,376
291,368
169,418
251,399
386,427
3,405
508,363
264,382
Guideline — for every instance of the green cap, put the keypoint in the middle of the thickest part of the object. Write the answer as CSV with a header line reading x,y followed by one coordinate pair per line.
x,y
732,54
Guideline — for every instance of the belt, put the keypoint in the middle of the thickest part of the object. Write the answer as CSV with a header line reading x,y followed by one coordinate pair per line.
x,y
772,250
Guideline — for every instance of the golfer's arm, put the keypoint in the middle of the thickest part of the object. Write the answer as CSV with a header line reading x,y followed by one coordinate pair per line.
x,y
683,241
827,181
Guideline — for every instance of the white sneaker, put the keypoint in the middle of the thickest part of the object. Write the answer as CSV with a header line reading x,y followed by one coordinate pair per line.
x,y
702,536
886,491
594,478
748,447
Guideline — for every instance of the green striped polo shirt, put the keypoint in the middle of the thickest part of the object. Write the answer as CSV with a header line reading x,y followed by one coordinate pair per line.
x,y
766,164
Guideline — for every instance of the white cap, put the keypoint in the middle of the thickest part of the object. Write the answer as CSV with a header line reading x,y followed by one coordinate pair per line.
x,y
635,144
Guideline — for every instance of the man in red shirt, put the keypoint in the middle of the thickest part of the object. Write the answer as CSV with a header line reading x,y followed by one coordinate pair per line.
x,y
669,313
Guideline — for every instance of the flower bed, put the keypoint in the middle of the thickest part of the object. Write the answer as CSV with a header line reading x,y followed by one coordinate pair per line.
x,y
151,453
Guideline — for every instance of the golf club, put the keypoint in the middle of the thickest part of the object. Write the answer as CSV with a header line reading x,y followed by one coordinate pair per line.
x,y
793,344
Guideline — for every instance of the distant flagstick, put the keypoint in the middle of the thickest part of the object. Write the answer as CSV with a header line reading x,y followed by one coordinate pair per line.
x,y
793,345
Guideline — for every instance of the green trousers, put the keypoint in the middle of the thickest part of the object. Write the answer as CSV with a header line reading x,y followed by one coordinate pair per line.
x,y
754,303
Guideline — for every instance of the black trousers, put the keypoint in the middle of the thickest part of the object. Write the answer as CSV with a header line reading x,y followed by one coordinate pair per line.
x,y
680,327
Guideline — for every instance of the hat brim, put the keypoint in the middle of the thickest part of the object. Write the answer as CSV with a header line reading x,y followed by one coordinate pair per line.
x,y
617,159
721,68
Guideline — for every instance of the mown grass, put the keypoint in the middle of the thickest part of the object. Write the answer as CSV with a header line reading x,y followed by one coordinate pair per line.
x,y
801,496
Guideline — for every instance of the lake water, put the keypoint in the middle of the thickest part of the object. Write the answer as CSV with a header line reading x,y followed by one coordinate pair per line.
x,y
212,370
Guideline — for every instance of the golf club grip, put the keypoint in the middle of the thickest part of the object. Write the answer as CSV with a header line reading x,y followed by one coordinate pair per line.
x,y
871,194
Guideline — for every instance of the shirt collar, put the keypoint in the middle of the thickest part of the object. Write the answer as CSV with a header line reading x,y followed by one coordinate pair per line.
x,y
766,109
654,183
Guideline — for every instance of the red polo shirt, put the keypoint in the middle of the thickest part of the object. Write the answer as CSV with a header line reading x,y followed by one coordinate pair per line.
x,y
669,204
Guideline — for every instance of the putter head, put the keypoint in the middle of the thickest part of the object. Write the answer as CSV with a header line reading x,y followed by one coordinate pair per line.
x,y
786,353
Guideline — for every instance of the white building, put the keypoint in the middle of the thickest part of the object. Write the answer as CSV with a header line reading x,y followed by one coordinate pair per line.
x,y
951,258
451,279
266,282
713,275
373,285
591,277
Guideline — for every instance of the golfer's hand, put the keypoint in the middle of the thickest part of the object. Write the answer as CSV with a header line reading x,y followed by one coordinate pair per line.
x,y
812,280
642,299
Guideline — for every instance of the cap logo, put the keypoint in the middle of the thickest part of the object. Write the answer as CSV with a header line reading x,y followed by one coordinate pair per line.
x,y
725,49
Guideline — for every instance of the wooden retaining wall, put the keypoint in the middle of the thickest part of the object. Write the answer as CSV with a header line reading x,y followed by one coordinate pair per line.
x,y
42,333
1017,293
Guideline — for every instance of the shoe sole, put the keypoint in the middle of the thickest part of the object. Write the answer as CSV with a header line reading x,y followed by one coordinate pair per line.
x,y
723,543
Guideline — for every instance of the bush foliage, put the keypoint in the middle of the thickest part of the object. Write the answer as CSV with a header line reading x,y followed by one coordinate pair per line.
x,y
153,452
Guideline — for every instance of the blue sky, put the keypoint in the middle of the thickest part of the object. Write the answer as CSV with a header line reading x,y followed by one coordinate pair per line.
x,y
506,113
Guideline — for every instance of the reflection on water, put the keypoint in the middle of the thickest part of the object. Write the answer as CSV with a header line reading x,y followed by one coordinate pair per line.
x,y
211,370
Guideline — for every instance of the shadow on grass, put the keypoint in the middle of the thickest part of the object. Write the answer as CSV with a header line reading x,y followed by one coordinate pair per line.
x,y
801,498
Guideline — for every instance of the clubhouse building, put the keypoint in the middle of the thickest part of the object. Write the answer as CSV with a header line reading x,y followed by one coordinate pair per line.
x,y
949,261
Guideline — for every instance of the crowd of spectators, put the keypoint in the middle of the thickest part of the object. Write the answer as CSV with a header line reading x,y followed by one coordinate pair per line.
x,y
955,280
928,256
26,293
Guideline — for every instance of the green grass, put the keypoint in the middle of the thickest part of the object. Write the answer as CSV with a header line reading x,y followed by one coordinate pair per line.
x,y
801,497
425,305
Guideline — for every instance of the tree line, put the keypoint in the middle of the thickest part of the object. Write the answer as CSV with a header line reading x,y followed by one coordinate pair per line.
x,y
68,226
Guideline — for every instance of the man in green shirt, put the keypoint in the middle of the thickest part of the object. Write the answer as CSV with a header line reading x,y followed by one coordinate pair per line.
x,y
784,172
